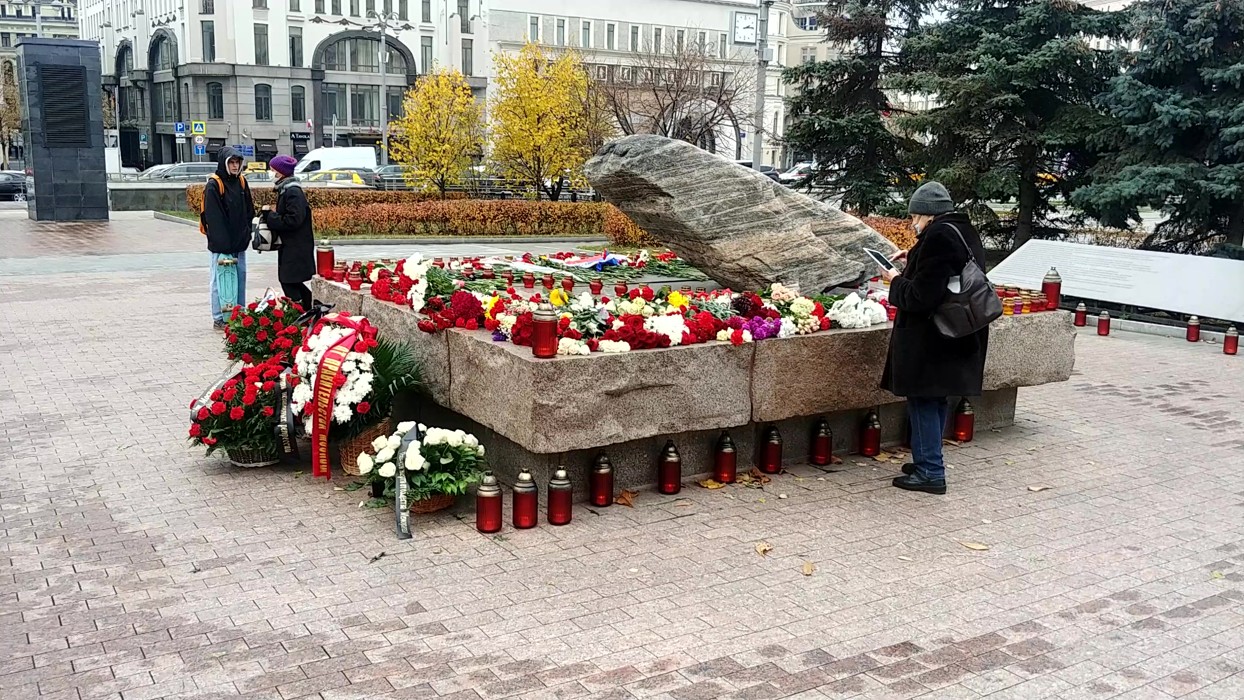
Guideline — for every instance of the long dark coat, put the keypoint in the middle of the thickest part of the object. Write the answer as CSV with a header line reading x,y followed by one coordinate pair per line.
x,y
292,222
922,362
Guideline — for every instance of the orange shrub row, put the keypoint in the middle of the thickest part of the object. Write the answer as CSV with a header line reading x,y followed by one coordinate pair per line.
x,y
897,230
330,197
487,217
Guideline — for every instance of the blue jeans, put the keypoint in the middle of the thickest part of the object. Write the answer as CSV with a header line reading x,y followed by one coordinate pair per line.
x,y
927,417
217,314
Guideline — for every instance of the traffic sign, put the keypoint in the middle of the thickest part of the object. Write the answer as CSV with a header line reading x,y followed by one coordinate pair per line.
x,y
181,140
198,128
200,149
248,151
199,140
142,141
179,128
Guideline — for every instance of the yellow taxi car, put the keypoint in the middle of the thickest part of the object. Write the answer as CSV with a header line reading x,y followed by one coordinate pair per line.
x,y
342,178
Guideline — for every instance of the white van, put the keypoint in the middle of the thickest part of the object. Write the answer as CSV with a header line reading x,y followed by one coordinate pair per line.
x,y
338,157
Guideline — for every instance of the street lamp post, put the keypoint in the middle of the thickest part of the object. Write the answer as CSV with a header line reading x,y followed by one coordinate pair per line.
x,y
383,23
762,80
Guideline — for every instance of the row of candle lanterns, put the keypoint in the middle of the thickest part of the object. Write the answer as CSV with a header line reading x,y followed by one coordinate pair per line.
x,y
560,501
1230,340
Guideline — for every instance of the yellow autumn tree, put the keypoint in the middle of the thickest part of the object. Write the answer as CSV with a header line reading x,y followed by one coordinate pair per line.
x,y
10,114
440,130
544,125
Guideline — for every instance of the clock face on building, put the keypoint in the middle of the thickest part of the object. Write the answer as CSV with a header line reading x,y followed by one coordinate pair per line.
x,y
745,27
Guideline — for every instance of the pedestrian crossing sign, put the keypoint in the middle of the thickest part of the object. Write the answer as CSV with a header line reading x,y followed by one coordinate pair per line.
x,y
198,128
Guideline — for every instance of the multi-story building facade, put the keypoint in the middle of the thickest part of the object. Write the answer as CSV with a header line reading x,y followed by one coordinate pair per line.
x,y
272,75
20,19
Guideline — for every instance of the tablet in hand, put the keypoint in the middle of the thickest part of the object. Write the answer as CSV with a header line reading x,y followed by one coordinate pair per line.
x,y
880,258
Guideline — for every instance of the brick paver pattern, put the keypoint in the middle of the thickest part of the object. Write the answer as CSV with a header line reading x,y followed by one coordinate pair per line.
x,y
132,566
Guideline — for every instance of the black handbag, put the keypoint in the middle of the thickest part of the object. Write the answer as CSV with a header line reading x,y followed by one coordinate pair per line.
x,y
974,306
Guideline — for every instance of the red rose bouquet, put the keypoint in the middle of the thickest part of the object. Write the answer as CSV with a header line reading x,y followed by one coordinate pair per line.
x,y
262,330
240,415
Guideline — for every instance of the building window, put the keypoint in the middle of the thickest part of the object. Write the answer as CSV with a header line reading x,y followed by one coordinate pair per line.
x,y
259,4
468,57
319,6
295,47
295,6
388,6
365,56
611,37
298,104
425,12
336,7
261,44
807,54
364,105
215,101
354,8
396,96
701,43
334,103
336,57
464,15
585,34
6,40
403,10
680,38
207,7
658,41
561,32
533,28
165,103
425,48
263,103
635,39
164,55
721,46
209,41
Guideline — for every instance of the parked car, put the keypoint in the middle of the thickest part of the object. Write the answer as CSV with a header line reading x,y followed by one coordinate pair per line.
x,y
336,158
391,177
335,178
368,175
184,172
154,171
13,185
796,174
767,170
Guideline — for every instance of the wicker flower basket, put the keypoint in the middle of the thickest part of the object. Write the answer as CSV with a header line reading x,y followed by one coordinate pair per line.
x,y
349,450
246,457
432,504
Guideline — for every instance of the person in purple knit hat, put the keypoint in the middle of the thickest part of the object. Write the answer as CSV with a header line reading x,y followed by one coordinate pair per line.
x,y
291,220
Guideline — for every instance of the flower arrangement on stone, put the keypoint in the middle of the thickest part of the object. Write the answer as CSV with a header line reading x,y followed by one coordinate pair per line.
x,y
366,373
263,329
435,461
855,312
240,413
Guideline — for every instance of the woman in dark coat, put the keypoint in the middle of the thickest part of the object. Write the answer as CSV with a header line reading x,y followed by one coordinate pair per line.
x,y
923,365
291,221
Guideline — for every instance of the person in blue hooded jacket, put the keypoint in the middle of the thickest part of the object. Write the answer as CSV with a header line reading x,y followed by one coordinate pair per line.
x,y
228,209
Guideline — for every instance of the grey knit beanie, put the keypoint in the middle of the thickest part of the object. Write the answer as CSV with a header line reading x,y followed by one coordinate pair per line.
x,y
931,198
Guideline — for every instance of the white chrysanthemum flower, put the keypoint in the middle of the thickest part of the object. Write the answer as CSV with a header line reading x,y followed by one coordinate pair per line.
x,y
454,439
365,463
342,414
387,470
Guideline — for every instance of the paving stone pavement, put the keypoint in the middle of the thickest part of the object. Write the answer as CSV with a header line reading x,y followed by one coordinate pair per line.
x,y
133,567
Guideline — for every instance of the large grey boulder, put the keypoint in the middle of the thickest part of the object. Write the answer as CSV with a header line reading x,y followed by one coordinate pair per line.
x,y
736,225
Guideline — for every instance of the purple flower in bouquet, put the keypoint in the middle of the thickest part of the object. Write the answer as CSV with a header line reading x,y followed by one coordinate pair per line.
x,y
762,328
499,337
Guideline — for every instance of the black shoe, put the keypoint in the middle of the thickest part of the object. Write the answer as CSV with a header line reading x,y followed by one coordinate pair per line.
x,y
918,483
909,469
218,325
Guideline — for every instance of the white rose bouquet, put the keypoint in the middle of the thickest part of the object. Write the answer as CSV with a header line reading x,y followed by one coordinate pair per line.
x,y
439,462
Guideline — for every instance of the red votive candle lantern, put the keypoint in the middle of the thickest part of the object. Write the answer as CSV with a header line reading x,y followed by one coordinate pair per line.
x,y
544,332
1231,341
548,281
620,289
568,283
1194,330
468,272
1017,306
526,501
725,461
771,451
561,498
870,435
965,422
669,470
489,274
1103,323
596,286
822,452
339,272
355,280
1081,315
601,484
325,259
529,280
488,505
508,276
1052,288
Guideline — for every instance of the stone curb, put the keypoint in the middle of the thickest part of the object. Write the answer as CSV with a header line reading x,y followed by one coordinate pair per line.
x,y
1158,329
432,240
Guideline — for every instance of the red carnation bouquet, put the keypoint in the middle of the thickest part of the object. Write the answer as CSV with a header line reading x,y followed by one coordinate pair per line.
x,y
263,330
240,414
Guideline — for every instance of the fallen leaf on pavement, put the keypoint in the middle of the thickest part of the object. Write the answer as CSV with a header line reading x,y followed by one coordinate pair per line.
x,y
1038,488
901,558
758,475
763,548
835,459
952,443
882,457
808,568
626,498
711,484
976,546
